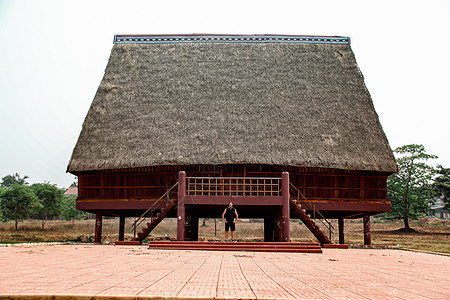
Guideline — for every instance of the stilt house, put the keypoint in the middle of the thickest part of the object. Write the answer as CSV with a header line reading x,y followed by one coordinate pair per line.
x,y
283,126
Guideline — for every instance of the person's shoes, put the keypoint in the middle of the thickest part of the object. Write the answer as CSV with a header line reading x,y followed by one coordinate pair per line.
x,y
226,240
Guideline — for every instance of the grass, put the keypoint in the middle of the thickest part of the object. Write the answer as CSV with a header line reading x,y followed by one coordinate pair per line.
x,y
430,234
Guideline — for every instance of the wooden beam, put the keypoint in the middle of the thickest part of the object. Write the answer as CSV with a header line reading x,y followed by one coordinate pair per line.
x,y
367,234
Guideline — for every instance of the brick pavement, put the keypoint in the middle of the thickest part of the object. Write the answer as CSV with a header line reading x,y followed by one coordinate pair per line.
x,y
135,272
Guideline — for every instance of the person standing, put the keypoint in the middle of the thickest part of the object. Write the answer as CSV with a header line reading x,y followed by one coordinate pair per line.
x,y
228,217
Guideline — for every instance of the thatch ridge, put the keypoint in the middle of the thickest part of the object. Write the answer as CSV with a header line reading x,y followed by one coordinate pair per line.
x,y
232,103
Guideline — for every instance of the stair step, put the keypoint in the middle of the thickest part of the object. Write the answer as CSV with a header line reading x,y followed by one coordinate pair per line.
x,y
242,249
231,246
235,243
238,246
128,243
336,246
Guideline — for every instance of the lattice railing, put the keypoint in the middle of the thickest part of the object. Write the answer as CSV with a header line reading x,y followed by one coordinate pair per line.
x,y
233,186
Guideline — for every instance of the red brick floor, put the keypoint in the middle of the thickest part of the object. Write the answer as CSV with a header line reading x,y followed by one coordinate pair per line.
x,y
68,271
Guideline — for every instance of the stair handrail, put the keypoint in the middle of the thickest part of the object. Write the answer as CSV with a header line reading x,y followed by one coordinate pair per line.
x,y
141,219
329,226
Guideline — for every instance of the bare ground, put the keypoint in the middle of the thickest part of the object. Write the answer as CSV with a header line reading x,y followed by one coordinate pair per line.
x,y
429,235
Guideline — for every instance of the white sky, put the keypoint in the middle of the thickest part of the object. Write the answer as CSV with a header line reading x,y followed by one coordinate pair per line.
x,y
53,55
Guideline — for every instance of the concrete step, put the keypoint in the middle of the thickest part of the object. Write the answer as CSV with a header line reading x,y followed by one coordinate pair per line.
x,y
248,249
238,246
234,243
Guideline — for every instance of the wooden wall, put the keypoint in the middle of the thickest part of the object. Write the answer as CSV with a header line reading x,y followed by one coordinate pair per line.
x,y
151,182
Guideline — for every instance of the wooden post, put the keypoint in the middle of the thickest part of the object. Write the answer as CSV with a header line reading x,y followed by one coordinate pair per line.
x,y
268,229
341,231
285,211
367,236
181,212
98,227
121,228
278,225
194,225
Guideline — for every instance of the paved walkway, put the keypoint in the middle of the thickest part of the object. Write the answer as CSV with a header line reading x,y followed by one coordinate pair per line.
x,y
75,270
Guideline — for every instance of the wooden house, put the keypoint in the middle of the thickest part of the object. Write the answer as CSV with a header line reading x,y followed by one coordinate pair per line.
x,y
182,124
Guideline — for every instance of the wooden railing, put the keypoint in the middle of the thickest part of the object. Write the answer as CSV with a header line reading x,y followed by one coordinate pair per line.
x,y
149,212
303,200
233,186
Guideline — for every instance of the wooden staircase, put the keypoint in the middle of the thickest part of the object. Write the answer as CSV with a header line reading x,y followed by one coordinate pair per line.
x,y
169,205
296,206
154,221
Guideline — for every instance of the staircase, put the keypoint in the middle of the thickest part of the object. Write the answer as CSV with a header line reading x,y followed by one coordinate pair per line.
x,y
169,205
296,206
237,246
154,221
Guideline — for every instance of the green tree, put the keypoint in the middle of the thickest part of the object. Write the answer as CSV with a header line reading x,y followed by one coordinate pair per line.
x,y
10,180
69,210
17,203
2,189
410,189
442,185
50,198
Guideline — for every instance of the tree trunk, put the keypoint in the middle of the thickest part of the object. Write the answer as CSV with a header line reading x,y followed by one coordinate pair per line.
x,y
406,222
44,219
17,221
405,211
405,203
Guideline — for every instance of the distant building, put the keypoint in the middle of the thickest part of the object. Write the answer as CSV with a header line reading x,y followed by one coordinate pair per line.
x,y
72,191
437,210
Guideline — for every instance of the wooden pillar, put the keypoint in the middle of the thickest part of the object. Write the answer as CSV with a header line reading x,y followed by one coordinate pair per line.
x,y
278,225
121,228
367,236
268,228
190,225
194,227
285,211
341,231
98,227
181,211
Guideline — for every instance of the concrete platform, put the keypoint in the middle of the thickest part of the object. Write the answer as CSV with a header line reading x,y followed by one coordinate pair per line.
x,y
135,272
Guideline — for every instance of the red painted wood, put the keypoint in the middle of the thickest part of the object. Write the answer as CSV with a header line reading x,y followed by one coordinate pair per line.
x,y
237,200
285,211
181,211
336,246
238,246
98,228
121,228
341,231
367,234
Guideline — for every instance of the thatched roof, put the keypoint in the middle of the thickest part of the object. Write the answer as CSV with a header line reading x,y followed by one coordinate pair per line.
x,y
283,100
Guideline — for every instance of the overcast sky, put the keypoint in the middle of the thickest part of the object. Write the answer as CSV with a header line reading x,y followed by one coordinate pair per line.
x,y
53,55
